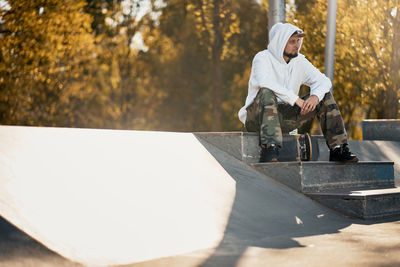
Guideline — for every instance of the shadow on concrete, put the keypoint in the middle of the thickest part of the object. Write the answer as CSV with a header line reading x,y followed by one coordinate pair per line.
x,y
13,241
19,249
267,214
395,219
369,150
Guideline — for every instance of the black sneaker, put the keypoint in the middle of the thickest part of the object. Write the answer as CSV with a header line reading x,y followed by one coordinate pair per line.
x,y
269,154
343,154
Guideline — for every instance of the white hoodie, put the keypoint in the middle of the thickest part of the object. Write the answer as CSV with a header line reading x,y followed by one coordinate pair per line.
x,y
270,70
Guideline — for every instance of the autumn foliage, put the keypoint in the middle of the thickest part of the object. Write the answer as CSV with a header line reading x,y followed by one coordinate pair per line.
x,y
179,65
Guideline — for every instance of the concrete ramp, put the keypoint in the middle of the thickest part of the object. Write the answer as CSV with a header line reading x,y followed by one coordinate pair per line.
x,y
104,197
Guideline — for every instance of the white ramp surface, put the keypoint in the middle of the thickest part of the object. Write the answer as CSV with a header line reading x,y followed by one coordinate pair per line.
x,y
106,197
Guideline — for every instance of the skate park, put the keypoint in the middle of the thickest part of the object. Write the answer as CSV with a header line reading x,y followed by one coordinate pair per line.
x,y
72,197
121,143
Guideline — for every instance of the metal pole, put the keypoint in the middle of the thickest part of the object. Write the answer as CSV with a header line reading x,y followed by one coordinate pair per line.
x,y
277,12
330,39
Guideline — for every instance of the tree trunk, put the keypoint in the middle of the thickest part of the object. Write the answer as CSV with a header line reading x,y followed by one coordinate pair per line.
x,y
392,100
216,68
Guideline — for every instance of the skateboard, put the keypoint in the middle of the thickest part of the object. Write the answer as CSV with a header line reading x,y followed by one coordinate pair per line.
x,y
304,147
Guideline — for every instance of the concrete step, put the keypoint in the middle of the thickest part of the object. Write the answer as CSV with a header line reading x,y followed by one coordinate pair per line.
x,y
385,129
323,176
364,204
364,190
245,145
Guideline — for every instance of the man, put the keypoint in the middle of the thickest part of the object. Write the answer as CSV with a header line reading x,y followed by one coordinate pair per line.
x,y
273,105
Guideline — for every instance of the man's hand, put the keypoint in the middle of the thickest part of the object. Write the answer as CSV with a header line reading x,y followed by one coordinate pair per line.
x,y
307,105
299,102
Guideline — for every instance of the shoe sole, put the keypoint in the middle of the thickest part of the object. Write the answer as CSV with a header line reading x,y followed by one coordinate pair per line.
x,y
272,160
350,160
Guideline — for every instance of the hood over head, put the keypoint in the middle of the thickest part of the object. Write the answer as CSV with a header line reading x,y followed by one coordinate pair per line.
x,y
278,37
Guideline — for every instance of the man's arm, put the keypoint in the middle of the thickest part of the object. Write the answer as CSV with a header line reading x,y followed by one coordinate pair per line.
x,y
319,84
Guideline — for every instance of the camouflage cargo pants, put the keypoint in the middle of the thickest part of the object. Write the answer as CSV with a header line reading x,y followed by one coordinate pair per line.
x,y
270,118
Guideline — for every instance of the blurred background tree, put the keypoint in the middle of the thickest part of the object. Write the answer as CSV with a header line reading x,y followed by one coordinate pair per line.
x,y
367,62
46,47
202,51
179,65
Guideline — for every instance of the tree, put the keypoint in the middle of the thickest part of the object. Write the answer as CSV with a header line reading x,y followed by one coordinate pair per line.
x,y
71,63
43,46
366,57
204,52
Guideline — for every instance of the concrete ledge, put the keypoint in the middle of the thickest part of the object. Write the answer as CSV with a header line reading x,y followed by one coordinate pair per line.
x,y
365,204
381,130
309,177
242,145
364,190
245,145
